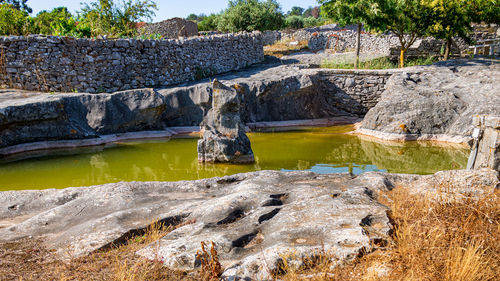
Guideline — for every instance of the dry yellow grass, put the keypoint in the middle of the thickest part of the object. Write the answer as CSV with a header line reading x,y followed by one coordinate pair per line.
x,y
432,239
452,240
29,260
282,48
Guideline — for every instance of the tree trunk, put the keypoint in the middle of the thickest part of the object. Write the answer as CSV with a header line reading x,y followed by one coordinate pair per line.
x,y
358,46
447,51
402,57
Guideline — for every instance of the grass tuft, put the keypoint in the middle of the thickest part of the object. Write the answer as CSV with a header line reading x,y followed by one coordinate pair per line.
x,y
378,63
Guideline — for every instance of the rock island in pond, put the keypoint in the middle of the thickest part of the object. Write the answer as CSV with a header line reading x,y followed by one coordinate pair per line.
x,y
224,138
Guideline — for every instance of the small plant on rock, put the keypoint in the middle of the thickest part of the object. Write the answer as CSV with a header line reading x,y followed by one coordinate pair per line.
x,y
211,269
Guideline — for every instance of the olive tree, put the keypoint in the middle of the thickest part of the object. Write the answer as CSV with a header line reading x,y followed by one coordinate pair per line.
x,y
250,15
407,19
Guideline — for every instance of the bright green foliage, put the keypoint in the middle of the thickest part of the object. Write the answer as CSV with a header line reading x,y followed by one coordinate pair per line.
x,y
13,21
294,22
18,4
449,18
59,22
208,23
296,11
346,12
250,15
484,10
104,17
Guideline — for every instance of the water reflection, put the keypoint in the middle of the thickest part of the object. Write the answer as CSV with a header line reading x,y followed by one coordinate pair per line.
x,y
323,150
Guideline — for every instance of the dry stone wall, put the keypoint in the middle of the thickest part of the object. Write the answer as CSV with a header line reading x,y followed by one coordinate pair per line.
x,y
343,39
356,91
63,64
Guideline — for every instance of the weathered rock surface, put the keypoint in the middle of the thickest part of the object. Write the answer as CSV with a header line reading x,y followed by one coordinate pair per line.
x,y
253,217
43,117
437,103
224,138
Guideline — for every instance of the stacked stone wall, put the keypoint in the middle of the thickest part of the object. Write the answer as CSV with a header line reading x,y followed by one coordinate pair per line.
x,y
343,39
357,91
63,64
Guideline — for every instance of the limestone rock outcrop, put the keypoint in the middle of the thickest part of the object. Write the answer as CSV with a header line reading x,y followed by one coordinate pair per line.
x,y
255,219
224,137
436,103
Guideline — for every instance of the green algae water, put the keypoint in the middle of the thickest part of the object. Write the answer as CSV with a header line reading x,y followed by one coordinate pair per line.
x,y
321,150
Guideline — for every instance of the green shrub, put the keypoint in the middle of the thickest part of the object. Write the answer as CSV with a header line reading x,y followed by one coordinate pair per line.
x,y
13,21
208,23
250,15
107,18
311,21
294,22
58,22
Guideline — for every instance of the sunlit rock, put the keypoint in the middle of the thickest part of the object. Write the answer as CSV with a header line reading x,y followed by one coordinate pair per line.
x,y
224,138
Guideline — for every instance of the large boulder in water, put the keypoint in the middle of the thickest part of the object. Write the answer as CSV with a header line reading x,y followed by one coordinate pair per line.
x,y
224,138
436,103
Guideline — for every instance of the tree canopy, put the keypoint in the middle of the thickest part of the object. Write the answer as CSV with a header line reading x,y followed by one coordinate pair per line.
x,y
344,12
18,4
250,15
13,21
296,11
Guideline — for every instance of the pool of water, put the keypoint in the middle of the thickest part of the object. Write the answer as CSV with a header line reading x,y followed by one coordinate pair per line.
x,y
321,150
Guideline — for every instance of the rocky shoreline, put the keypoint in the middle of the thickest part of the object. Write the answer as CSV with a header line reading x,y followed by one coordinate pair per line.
x,y
422,103
436,105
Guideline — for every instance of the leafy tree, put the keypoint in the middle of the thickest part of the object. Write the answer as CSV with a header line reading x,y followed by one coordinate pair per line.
x,y
351,12
487,11
250,15
408,19
449,18
13,21
192,17
18,4
104,17
208,23
294,22
296,11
